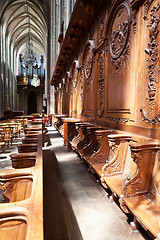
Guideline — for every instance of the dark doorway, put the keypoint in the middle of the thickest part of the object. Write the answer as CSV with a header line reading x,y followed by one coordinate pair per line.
x,y
32,102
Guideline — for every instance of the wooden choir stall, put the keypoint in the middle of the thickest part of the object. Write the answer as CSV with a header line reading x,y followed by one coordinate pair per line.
x,y
21,208
107,84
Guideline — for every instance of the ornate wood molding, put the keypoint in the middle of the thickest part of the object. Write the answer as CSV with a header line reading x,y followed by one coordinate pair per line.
x,y
134,185
75,71
144,156
118,147
88,55
119,30
152,62
101,59
118,120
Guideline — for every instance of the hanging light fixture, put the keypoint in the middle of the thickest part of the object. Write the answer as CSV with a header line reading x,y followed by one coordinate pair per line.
x,y
29,57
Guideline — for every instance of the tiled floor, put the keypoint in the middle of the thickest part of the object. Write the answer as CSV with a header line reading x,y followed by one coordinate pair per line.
x,y
97,217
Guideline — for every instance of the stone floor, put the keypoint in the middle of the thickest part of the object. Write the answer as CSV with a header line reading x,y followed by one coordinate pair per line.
x,y
94,216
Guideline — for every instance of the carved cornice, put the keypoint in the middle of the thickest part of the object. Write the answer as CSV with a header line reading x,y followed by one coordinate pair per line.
x,y
82,17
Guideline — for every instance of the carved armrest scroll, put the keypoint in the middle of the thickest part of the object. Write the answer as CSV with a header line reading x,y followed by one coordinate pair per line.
x,y
118,150
103,152
143,154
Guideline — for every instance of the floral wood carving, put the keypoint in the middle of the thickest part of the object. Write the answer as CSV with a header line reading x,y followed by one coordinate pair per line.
x,y
101,84
101,30
102,154
88,65
75,73
134,20
112,164
82,84
147,5
119,32
88,62
118,120
133,186
152,65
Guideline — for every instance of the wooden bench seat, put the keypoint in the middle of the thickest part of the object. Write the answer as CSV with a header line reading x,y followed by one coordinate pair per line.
x,y
16,187
141,193
31,135
29,140
32,129
23,196
23,160
13,227
24,148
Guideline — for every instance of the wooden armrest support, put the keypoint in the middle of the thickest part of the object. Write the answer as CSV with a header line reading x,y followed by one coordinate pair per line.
x,y
118,149
143,154
103,152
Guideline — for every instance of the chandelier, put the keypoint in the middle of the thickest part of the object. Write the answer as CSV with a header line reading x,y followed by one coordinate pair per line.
x,y
29,57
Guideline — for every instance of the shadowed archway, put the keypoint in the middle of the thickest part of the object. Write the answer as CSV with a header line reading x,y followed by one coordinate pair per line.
x,y
32,102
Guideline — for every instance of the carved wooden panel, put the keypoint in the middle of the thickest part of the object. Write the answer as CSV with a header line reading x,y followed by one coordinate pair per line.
x,y
79,93
88,58
75,76
65,103
151,64
119,89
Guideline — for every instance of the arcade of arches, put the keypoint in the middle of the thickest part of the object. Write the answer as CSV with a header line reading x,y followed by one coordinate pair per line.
x,y
85,74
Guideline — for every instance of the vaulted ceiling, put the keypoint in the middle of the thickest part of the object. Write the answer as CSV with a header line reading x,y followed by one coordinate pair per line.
x,y
24,19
